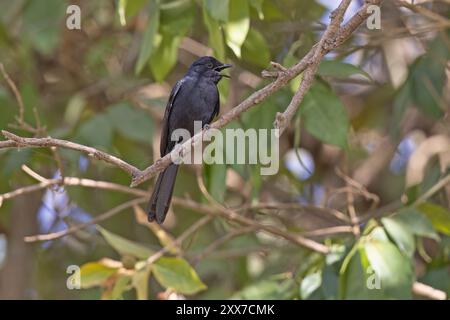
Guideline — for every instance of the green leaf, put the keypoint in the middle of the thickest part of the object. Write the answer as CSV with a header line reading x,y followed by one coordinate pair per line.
x,y
258,5
339,69
238,25
255,49
417,222
217,9
215,179
74,109
177,274
268,290
120,286
439,216
427,78
177,18
310,284
97,132
215,35
41,24
131,123
393,269
353,280
140,281
324,115
121,11
401,234
94,274
165,57
148,39
132,7
125,246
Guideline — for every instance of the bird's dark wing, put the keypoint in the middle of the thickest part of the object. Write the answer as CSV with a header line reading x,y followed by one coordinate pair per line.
x,y
216,110
165,129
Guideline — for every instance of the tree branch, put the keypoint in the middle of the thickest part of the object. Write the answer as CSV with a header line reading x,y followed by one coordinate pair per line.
x,y
333,37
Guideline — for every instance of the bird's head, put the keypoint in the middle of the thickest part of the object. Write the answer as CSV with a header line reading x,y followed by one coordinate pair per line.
x,y
210,68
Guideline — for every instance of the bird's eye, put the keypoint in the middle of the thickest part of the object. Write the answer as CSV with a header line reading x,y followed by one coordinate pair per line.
x,y
209,65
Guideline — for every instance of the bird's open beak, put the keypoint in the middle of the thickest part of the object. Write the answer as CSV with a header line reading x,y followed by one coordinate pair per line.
x,y
223,67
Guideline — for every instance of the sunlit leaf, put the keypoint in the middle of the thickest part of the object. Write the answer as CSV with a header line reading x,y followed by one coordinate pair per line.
x,y
237,26
439,216
177,274
310,284
94,274
393,269
401,235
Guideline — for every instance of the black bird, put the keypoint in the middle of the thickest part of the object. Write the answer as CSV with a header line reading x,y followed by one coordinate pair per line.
x,y
193,98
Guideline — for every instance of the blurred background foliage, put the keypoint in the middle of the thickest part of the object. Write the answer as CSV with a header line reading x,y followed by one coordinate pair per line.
x,y
378,111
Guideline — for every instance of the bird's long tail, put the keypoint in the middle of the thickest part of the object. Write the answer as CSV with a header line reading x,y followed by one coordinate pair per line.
x,y
162,194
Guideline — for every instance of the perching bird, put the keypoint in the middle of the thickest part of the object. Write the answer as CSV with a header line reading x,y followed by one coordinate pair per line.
x,y
193,98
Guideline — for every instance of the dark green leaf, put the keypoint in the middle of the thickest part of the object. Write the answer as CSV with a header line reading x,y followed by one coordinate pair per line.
x,y
324,115
255,49
215,35
339,69
165,57
131,123
215,179
97,132
148,39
